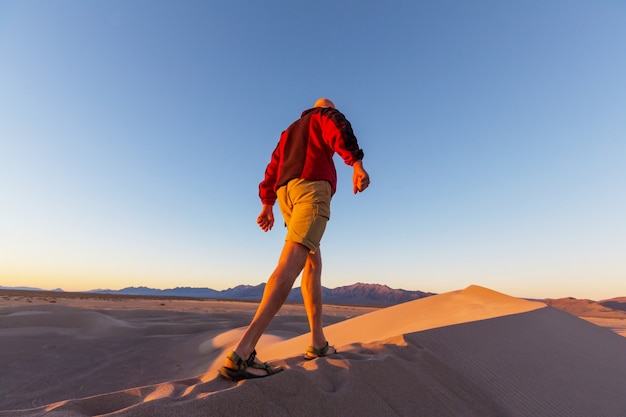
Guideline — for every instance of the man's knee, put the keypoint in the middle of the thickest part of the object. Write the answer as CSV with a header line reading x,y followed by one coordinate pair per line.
x,y
314,260
294,255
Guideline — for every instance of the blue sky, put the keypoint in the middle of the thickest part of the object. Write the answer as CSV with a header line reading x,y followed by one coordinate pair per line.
x,y
133,136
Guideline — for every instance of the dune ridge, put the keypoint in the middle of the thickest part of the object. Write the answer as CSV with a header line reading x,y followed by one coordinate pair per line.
x,y
473,352
470,304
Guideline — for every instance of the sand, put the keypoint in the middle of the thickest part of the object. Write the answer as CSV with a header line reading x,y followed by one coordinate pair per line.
x,y
616,325
473,352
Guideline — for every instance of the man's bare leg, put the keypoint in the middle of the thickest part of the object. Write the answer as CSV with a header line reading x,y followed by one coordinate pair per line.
x,y
312,296
290,264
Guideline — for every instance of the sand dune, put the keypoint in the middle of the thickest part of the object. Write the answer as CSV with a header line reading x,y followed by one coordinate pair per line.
x,y
473,303
473,352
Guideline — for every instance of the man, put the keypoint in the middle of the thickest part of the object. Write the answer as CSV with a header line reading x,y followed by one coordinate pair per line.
x,y
302,177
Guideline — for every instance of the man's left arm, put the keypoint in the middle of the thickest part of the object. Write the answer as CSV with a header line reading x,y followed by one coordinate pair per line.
x,y
340,137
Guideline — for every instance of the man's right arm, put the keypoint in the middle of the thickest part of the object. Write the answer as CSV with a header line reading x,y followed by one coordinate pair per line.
x,y
267,192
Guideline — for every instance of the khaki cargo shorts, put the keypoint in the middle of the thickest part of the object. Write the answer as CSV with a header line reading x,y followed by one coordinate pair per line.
x,y
305,206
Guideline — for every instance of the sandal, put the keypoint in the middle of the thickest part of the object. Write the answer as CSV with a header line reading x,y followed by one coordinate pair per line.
x,y
312,352
242,366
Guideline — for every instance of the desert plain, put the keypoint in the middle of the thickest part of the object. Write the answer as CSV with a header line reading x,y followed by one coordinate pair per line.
x,y
472,352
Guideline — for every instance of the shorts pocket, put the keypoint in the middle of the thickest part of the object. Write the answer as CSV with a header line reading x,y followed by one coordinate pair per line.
x,y
322,209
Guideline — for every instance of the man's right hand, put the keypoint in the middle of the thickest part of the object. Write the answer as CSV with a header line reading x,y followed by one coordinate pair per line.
x,y
360,178
266,218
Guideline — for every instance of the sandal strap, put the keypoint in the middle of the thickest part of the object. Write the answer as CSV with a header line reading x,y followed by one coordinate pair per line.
x,y
240,363
319,352
256,365
264,366
251,358
249,363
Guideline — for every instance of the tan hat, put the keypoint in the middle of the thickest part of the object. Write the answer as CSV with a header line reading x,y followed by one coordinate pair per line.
x,y
324,102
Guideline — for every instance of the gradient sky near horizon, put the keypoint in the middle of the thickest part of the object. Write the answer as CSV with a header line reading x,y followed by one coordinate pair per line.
x,y
133,136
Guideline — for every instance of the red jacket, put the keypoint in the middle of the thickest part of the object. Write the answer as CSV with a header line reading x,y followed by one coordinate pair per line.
x,y
305,150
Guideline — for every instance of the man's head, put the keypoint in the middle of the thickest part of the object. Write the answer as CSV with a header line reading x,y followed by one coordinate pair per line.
x,y
324,102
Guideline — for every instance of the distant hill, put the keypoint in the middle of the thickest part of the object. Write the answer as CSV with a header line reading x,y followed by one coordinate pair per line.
x,y
356,294
241,292
187,292
28,289
24,288
618,303
613,308
364,294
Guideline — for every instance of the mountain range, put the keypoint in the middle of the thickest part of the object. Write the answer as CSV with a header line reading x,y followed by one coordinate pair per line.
x,y
356,294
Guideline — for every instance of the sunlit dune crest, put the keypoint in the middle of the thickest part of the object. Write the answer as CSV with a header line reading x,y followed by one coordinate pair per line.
x,y
471,304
